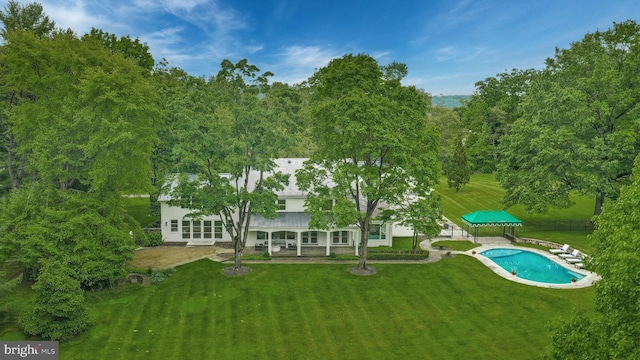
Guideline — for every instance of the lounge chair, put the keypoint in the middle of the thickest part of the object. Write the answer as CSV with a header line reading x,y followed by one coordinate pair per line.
x,y
574,254
573,260
579,265
563,250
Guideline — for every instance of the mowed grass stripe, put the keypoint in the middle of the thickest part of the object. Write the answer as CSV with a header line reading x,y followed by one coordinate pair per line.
x,y
444,310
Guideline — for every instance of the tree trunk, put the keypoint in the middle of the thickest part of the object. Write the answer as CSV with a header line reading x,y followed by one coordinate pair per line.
x,y
599,203
364,240
238,250
414,245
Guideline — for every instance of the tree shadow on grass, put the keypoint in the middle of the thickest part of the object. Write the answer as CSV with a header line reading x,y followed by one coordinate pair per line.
x,y
363,272
231,271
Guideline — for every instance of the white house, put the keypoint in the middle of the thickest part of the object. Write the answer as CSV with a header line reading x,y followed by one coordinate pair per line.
x,y
287,232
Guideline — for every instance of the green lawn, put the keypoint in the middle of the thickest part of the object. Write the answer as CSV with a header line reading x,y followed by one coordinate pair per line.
x,y
452,309
485,193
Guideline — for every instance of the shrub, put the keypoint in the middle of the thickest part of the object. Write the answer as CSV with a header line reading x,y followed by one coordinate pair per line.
x,y
58,312
140,237
421,255
155,238
162,275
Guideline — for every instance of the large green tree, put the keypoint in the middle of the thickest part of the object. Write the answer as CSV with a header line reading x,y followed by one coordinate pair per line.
x,y
493,107
228,142
579,128
374,145
458,170
613,333
85,120
16,17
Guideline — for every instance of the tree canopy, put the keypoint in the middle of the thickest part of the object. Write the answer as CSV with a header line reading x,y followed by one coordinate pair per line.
x,y
579,128
614,332
374,145
239,134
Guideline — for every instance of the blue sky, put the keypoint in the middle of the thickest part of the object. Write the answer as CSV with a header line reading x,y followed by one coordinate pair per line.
x,y
447,45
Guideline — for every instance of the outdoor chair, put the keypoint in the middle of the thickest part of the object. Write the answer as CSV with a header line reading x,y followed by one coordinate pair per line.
x,y
260,246
563,250
291,246
574,254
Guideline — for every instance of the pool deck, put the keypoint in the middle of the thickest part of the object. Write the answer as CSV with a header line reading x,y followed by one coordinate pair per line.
x,y
488,243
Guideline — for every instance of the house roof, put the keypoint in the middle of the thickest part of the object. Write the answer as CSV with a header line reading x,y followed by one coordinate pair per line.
x,y
284,220
287,166
491,218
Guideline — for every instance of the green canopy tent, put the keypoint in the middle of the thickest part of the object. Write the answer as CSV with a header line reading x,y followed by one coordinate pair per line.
x,y
491,218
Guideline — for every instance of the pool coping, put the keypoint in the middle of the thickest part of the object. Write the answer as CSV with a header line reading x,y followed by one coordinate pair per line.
x,y
590,277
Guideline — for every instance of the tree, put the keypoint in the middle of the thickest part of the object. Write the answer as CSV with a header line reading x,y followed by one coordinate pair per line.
x,y
579,129
614,331
25,17
493,107
58,312
127,47
16,17
422,213
224,144
85,121
374,146
458,172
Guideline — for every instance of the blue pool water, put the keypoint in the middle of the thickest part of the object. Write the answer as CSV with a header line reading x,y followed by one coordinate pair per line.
x,y
531,266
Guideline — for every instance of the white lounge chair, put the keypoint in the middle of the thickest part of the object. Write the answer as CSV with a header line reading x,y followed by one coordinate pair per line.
x,y
573,260
574,254
563,250
579,265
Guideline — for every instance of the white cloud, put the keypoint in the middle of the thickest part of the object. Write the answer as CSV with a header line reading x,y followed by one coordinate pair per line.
x,y
296,63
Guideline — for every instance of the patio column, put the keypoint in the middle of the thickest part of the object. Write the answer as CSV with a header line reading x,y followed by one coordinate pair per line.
x,y
328,243
356,240
298,243
269,233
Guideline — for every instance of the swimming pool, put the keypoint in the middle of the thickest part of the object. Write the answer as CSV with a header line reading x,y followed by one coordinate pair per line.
x,y
531,266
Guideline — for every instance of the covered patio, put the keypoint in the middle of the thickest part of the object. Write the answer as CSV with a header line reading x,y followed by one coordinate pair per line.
x,y
491,218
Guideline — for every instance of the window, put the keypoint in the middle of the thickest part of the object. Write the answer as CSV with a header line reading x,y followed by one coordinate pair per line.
x,y
261,235
310,237
282,204
186,229
340,237
284,235
174,225
197,229
206,229
217,229
377,232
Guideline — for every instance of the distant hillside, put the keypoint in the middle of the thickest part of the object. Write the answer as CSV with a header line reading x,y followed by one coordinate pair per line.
x,y
449,101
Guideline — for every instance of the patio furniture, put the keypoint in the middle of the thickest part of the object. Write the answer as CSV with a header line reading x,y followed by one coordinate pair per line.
x,y
563,250
574,254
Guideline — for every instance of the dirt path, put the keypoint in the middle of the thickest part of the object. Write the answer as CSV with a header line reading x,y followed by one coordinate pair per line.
x,y
162,257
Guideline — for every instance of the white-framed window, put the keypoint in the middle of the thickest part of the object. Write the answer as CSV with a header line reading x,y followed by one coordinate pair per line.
x,y
206,229
310,237
262,235
282,204
340,237
377,232
186,229
197,229
284,235
174,225
217,229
